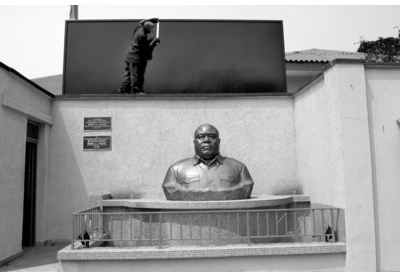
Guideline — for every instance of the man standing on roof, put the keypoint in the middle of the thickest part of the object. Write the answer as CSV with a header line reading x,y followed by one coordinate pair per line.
x,y
140,50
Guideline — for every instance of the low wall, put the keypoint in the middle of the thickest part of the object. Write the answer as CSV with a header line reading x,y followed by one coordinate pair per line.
x,y
271,257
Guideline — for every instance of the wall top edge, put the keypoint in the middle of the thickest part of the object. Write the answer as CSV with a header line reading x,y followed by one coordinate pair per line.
x,y
309,83
341,62
360,62
382,65
173,96
176,20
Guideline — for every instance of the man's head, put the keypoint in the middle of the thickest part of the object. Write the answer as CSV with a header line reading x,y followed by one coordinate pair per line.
x,y
206,141
148,26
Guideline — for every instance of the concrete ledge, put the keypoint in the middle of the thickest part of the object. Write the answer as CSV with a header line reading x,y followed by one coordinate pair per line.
x,y
254,202
96,200
173,96
300,198
11,258
17,105
180,252
264,201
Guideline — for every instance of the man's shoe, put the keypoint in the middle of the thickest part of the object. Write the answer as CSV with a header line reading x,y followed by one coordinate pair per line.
x,y
122,92
140,93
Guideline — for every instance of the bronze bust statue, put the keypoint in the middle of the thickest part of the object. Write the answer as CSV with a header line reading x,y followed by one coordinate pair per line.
x,y
207,176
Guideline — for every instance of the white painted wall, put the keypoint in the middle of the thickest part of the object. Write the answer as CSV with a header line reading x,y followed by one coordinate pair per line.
x,y
149,135
318,144
383,89
20,101
334,158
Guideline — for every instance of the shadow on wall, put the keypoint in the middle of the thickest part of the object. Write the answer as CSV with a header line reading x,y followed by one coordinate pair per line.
x,y
66,192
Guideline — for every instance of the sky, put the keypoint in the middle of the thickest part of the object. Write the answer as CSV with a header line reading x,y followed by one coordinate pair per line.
x,y
32,37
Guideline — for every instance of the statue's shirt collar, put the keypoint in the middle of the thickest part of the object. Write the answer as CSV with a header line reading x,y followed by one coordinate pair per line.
x,y
197,159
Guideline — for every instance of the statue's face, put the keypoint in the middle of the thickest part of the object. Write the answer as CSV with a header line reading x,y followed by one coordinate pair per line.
x,y
206,141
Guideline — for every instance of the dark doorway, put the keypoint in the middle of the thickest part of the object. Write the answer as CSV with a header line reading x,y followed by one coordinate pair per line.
x,y
28,227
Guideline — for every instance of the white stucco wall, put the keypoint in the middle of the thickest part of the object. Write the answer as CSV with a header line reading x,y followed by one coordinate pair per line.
x,y
20,101
319,145
383,89
148,135
334,155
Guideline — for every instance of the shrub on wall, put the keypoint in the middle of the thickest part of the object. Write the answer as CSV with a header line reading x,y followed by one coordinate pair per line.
x,y
381,50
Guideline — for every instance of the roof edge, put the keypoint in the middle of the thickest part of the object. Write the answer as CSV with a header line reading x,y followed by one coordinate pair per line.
x,y
343,61
7,68
327,67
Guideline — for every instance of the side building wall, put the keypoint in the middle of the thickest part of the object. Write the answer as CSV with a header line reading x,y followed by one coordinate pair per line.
x,y
20,102
334,154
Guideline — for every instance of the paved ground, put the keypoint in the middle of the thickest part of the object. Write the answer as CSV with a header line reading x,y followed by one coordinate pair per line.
x,y
35,259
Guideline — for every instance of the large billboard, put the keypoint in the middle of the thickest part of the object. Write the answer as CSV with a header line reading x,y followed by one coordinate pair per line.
x,y
194,57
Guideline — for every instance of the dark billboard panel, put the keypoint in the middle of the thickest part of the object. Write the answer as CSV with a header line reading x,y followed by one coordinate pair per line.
x,y
194,56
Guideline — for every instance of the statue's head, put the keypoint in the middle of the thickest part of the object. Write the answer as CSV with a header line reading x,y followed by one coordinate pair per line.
x,y
206,141
148,27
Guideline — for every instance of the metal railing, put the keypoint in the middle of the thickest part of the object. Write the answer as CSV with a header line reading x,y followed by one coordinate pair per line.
x,y
169,228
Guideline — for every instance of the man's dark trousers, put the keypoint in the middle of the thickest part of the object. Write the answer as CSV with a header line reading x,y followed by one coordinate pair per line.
x,y
133,77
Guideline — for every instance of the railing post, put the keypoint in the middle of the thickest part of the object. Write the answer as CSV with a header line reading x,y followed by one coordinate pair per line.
x,y
295,225
199,221
323,222
238,224
313,223
286,223
122,219
140,227
99,219
248,226
219,228
101,222
209,225
160,229
333,230
190,225
73,232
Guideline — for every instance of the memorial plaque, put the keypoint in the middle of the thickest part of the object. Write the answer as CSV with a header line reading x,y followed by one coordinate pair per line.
x,y
96,143
96,123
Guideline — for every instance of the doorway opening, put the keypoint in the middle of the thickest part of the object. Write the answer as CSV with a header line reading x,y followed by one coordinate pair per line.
x,y
29,218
